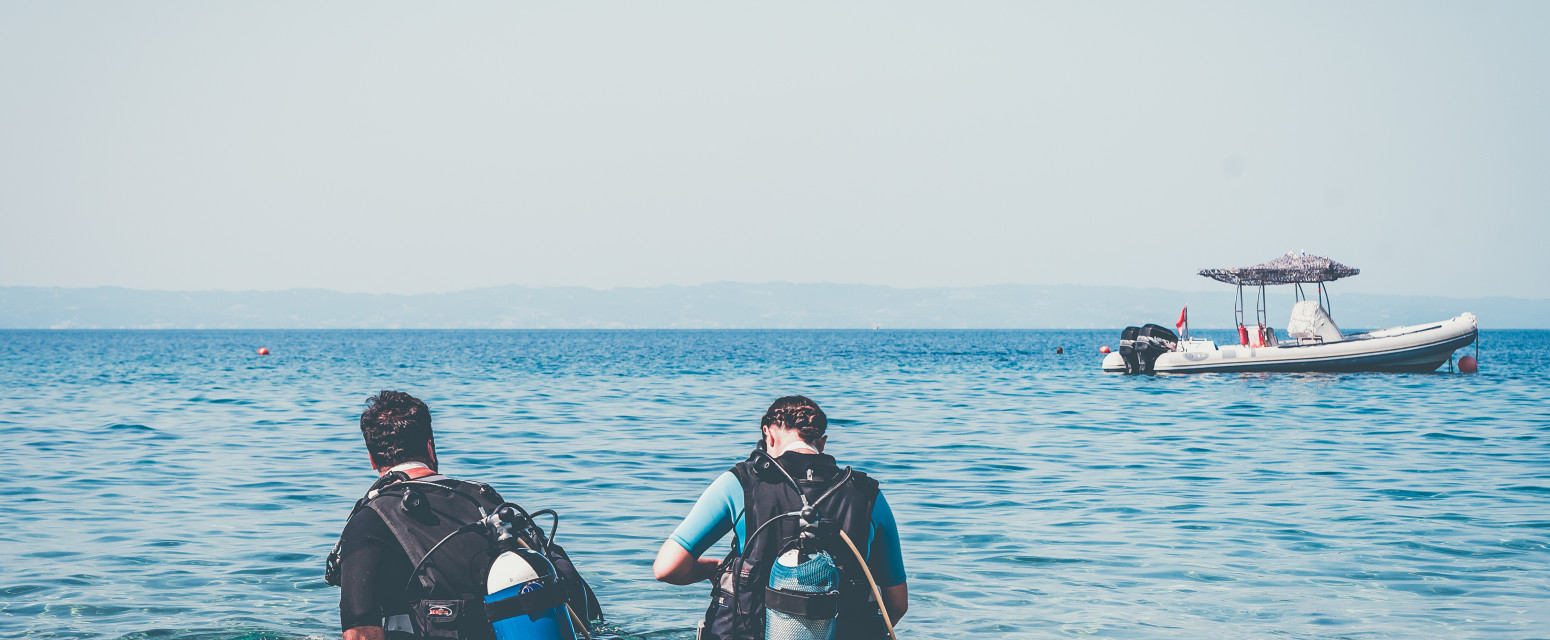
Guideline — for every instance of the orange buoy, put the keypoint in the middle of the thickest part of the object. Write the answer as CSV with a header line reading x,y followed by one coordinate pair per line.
x,y
263,351
1468,364
1103,349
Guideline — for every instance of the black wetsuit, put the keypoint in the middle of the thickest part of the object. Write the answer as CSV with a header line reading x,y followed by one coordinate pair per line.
x,y
374,569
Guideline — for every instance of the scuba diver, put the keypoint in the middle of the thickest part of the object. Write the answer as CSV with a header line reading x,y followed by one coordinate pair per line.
x,y
427,556
815,552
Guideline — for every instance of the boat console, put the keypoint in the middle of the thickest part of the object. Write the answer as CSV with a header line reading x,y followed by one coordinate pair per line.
x,y
1311,323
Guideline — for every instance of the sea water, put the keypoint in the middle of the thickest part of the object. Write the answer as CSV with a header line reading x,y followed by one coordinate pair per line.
x,y
165,484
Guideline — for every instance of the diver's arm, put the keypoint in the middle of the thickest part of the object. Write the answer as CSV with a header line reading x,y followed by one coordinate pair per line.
x,y
365,633
713,516
361,576
675,565
897,599
886,560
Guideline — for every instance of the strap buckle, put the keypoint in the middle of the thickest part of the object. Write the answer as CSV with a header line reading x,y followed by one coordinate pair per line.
x,y
817,606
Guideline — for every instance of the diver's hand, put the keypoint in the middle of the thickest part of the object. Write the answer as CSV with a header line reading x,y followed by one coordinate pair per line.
x,y
707,568
897,599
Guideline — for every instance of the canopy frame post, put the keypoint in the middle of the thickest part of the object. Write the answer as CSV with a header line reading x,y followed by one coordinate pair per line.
x,y
1238,308
1262,308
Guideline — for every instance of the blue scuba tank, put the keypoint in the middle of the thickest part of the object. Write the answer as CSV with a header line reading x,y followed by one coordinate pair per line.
x,y
526,601
813,614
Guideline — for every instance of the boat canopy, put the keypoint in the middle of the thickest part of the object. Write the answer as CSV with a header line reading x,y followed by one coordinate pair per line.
x,y
1291,268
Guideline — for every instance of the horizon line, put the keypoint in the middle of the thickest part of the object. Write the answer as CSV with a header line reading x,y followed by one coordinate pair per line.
x,y
714,283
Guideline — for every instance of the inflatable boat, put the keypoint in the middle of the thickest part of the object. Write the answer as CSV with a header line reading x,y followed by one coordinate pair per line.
x,y
1312,343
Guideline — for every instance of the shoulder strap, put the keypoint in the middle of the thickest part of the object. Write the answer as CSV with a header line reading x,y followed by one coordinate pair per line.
x,y
331,569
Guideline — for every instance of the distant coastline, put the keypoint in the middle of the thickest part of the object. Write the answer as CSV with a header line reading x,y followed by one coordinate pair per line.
x,y
712,306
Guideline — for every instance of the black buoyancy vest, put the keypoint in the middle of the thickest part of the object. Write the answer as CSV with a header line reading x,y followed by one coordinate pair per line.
x,y
737,595
447,596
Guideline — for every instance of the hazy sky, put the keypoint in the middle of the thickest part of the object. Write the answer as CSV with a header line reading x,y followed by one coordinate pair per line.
x,y
413,147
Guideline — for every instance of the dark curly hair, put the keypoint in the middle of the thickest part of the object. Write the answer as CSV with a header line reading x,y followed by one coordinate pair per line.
x,y
397,427
797,412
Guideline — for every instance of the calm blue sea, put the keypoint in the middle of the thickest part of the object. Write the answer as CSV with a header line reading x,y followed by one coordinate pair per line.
x,y
169,484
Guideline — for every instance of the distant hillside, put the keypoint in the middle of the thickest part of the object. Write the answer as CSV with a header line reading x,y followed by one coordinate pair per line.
x,y
712,306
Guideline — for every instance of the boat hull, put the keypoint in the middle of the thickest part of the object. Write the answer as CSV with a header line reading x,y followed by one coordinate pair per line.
x,y
1413,349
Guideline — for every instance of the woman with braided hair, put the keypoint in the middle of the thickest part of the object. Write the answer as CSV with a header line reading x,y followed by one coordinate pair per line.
x,y
755,493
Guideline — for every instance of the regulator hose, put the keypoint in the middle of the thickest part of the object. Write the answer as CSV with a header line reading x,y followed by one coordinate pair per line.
x,y
415,572
749,544
484,523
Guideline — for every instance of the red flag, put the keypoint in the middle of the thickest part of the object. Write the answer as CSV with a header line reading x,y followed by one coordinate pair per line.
x,y
1183,317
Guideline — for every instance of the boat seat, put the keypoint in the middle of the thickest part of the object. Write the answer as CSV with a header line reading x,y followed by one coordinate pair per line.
x,y
1267,338
1311,323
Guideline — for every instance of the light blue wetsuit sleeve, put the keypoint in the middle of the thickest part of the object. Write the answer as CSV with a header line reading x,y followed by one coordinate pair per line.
x,y
718,511
884,557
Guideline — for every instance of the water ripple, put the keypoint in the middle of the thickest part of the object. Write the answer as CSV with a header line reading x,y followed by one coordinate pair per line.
x,y
180,487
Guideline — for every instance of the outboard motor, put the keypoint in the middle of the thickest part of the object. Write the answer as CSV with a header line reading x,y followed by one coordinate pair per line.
x,y
1152,341
802,601
1127,349
526,600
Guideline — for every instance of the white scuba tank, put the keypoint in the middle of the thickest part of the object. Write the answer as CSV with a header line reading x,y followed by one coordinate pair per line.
x,y
526,598
816,575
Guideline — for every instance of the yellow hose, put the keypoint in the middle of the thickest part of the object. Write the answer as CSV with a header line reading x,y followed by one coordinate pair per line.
x,y
875,592
582,626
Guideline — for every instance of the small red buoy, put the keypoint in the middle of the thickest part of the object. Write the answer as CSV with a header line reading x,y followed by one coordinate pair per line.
x,y
1468,364
263,351
1059,350
1103,349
